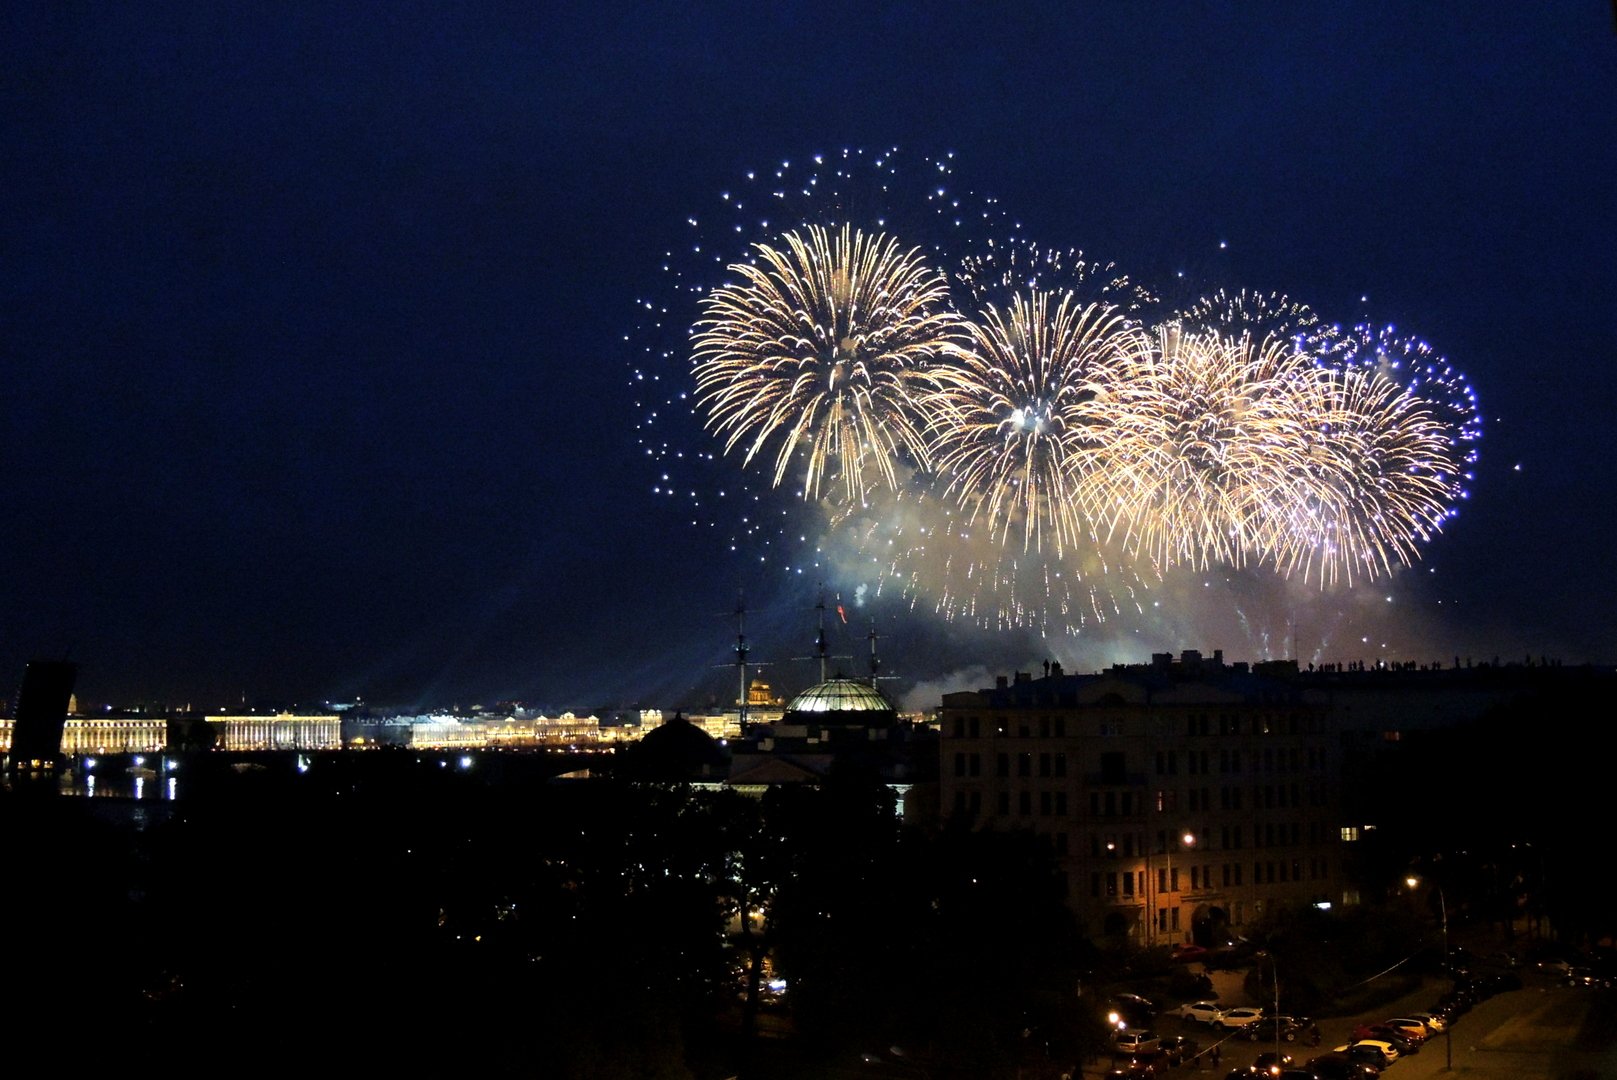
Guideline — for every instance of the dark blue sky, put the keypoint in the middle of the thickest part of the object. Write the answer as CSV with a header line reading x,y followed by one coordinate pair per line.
x,y
312,315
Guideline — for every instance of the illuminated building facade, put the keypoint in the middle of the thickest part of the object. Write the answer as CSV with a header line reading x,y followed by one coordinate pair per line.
x,y
115,735
280,731
1179,798
105,735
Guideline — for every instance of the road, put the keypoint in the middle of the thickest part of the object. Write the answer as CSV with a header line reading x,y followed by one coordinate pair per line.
x,y
1541,1032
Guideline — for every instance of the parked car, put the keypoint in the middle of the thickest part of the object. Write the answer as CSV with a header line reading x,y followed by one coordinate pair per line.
x,y
1435,1022
1135,1042
1203,1012
1290,1028
1377,1052
1131,1009
1238,1018
1132,1069
1341,1067
1416,1028
1176,1049
1387,1034
1587,976
1272,1063
1184,954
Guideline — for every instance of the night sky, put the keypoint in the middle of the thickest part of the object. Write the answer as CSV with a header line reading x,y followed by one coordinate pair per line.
x,y
313,317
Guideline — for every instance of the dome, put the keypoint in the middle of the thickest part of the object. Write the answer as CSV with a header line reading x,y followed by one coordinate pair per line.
x,y
678,750
841,701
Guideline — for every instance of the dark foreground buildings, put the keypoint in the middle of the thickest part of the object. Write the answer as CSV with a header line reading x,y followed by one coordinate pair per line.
x,y
1184,798
1180,798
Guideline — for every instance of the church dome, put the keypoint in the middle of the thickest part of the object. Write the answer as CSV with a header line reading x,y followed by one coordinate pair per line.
x,y
841,701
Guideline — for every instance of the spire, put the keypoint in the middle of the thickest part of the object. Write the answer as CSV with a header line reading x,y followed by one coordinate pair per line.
x,y
741,654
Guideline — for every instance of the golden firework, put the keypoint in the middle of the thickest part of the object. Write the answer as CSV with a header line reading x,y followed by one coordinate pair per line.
x,y
822,347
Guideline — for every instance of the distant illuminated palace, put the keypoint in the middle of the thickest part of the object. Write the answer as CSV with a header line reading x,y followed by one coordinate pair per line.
x,y
282,731
105,735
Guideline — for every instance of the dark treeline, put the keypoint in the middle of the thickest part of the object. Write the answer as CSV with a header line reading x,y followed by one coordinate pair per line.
x,y
410,913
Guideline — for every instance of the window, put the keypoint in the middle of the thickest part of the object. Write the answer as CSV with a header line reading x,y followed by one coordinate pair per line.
x,y
976,765
1162,880
959,764
1350,833
1111,767
1044,804
1111,883
1173,880
976,727
1004,804
1094,884
1195,879
1024,803
1128,883
1002,765
1175,913
1024,764
1061,804
1061,764
1044,765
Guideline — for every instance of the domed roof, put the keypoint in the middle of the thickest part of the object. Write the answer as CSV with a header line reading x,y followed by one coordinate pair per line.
x,y
846,701
678,750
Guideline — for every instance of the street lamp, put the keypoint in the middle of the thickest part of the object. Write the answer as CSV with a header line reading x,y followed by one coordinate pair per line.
x,y
1443,912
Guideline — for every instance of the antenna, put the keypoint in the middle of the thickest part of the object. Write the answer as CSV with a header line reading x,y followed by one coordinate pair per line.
x,y
741,662
819,638
741,655
822,646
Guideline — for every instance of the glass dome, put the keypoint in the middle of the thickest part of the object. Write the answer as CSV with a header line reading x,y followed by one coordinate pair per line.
x,y
840,696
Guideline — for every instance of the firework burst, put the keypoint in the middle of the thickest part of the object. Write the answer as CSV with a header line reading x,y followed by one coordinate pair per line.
x,y
1019,436
1379,481
1020,422
822,346
1208,437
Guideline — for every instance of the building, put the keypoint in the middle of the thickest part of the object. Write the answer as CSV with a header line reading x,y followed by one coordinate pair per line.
x,y
836,723
1180,799
278,731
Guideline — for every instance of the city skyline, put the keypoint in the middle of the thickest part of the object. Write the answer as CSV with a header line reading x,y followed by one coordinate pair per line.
x,y
316,325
